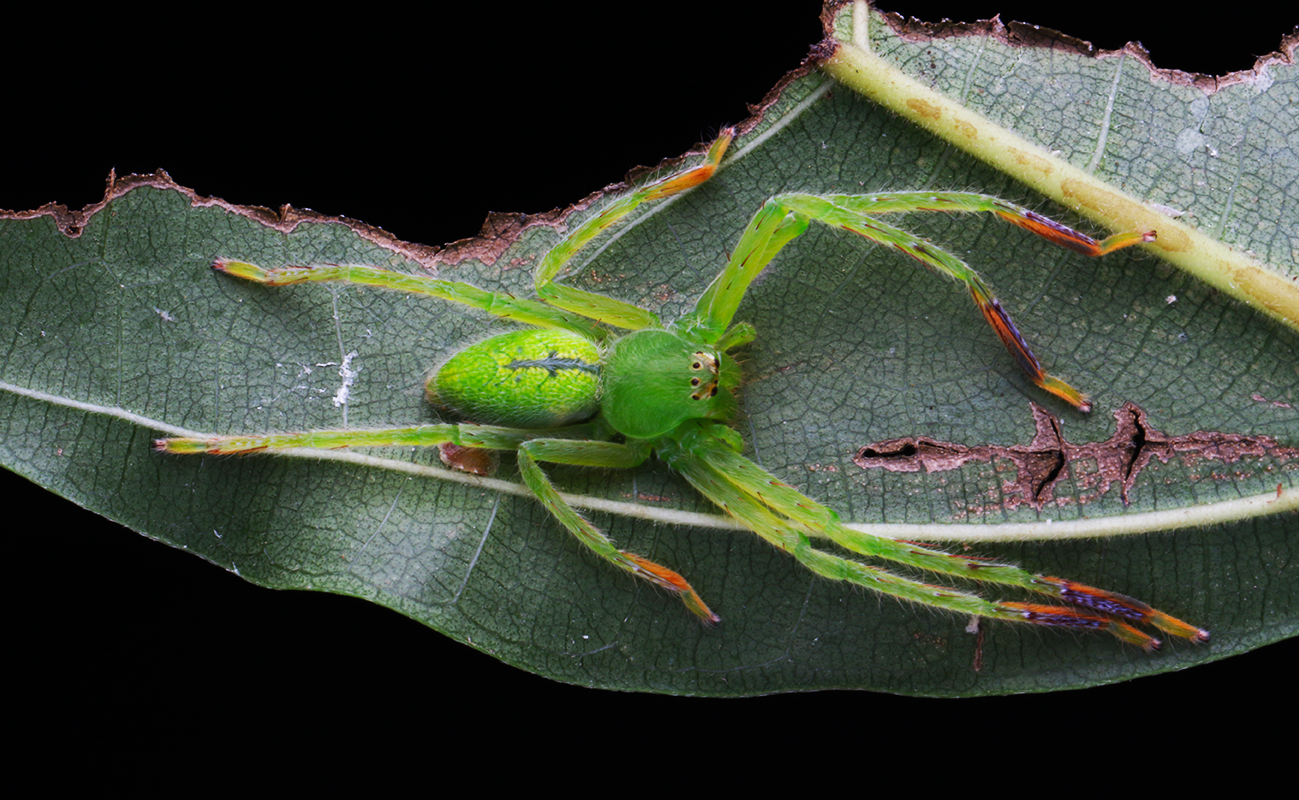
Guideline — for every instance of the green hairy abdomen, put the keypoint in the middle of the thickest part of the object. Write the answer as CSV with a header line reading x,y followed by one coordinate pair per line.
x,y
525,379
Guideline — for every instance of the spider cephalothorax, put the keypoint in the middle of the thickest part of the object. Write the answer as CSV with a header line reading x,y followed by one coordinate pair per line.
x,y
572,390
677,378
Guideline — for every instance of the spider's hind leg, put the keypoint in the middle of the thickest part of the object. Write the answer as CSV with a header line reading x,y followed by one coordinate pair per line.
x,y
530,449
709,457
488,437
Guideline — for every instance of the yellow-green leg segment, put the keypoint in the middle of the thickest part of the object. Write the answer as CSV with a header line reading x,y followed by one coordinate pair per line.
x,y
782,218
532,446
597,306
708,456
611,455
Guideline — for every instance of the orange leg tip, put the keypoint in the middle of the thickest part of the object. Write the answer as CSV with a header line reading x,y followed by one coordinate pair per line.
x,y
1131,635
673,581
1176,627
1066,393
700,174
723,141
1060,617
1121,240
697,605
705,614
1124,607
1018,348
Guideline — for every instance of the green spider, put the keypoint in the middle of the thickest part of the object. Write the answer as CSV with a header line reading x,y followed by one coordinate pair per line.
x,y
568,390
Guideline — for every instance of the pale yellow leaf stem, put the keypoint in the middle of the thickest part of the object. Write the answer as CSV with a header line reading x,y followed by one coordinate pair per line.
x,y
1213,262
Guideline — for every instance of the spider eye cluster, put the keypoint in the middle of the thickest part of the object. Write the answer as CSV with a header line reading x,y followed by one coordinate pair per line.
x,y
705,386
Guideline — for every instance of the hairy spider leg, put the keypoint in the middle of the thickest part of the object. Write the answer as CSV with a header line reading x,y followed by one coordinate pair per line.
x,y
826,210
820,521
597,306
532,446
529,312
783,217
770,230
562,302
973,202
466,434
712,483
614,456
787,519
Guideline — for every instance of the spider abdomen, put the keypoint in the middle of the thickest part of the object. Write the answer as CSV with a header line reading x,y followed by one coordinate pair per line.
x,y
538,378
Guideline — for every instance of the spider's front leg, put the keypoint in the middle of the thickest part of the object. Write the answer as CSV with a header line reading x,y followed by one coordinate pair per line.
x,y
596,306
529,312
784,217
564,307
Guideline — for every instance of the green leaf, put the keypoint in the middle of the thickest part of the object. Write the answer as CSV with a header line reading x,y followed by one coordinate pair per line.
x,y
121,331
1080,180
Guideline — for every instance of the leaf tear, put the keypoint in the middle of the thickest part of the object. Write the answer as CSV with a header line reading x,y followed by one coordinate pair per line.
x,y
1048,458
1022,34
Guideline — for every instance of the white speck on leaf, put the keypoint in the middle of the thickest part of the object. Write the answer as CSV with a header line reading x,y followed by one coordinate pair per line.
x,y
349,377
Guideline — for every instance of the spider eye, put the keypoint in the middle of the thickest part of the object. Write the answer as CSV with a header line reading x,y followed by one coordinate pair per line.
x,y
694,381
704,360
